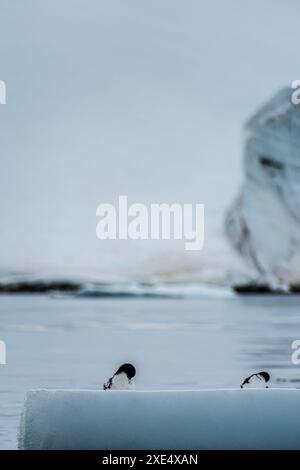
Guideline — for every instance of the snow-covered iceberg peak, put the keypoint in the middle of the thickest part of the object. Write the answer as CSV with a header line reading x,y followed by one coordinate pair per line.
x,y
263,223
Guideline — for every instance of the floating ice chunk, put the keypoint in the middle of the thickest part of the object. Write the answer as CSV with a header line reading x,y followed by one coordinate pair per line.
x,y
206,419
263,223
168,290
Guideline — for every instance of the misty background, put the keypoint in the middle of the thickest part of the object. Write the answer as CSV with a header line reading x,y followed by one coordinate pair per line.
x,y
145,99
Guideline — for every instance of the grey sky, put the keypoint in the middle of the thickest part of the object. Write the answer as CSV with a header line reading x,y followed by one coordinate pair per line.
x,y
128,97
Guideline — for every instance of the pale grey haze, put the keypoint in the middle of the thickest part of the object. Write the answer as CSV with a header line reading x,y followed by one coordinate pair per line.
x,y
134,97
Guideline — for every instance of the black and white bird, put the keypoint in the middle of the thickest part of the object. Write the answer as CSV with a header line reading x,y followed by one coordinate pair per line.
x,y
259,380
122,379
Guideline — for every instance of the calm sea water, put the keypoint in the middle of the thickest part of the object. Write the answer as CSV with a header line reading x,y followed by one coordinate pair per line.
x,y
175,344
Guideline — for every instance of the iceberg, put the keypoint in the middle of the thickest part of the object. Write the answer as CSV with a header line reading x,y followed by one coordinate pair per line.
x,y
159,290
81,288
263,223
161,420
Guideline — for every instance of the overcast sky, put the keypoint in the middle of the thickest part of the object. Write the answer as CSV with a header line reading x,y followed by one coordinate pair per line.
x,y
135,97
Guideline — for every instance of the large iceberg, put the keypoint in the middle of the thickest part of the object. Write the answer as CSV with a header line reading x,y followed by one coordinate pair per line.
x,y
263,223
204,419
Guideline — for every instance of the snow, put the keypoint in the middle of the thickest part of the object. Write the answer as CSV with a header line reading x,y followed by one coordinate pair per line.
x,y
263,222
206,419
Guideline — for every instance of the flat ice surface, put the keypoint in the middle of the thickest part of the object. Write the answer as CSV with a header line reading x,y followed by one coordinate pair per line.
x,y
207,419
185,344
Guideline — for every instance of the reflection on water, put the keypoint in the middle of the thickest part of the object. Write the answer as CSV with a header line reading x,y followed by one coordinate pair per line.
x,y
175,344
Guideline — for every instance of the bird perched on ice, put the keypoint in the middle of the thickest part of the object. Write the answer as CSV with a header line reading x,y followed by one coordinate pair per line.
x,y
259,380
122,379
